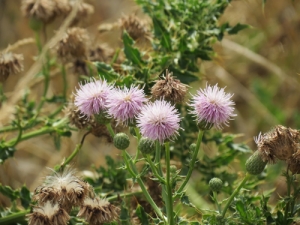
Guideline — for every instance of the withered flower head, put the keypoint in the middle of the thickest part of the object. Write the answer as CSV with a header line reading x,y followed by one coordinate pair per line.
x,y
102,53
169,88
48,214
62,7
76,117
134,27
279,143
73,45
43,10
10,64
65,188
84,11
98,211
293,165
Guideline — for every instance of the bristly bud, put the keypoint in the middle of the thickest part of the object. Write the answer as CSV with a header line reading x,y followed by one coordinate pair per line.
x,y
169,88
10,64
73,45
134,27
146,146
48,214
76,117
65,188
216,184
279,143
98,211
255,164
121,141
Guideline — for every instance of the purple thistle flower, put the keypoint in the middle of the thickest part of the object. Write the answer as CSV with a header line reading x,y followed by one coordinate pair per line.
x,y
212,106
91,97
159,121
125,104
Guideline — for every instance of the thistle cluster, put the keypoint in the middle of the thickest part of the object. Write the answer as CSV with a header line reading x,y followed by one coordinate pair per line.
x,y
61,192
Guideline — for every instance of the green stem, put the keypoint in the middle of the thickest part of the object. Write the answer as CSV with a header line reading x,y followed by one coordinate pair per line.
x,y
138,135
216,200
289,180
236,191
154,170
110,130
65,84
169,186
43,130
14,218
114,197
142,185
8,129
192,162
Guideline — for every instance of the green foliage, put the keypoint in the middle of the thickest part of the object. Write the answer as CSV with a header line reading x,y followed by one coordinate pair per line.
x,y
23,194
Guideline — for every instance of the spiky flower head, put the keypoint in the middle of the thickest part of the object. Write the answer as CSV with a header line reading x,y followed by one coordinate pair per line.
x,y
134,27
91,98
169,88
73,45
216,184
159,121
98,211
65,188
255,163
10,64
43,10
212,107
76,117
124,104
48,214
280,143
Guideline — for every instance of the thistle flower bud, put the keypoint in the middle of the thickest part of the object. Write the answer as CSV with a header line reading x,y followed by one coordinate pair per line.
x,y
146,146
98,211
121,141
192,147
169,88
10,64
255,164
216,184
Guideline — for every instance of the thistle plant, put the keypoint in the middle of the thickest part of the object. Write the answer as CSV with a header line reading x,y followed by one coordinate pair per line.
x,y
140,98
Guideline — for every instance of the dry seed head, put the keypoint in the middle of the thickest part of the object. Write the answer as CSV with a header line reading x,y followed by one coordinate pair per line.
x,y
43,10
48,214
63,188
73,45
102,53
293,165
134,27
10,64
62,7
77,118
279,143
98,211
84,11
169,88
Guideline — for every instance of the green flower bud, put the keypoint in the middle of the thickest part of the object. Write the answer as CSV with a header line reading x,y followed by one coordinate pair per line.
x,y
255,164
102,118
146,146
193,147
204,125
132,131
173,169
216,184
121,141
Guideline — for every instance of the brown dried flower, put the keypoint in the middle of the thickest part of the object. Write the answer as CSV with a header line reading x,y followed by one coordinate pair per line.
x,y
101,53
134,27
77,118
10,64
280,143
98,211
63,188
169,88
73,45
48,214
84,11
43,10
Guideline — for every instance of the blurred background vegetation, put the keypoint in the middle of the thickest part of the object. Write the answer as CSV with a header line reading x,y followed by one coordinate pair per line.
x,y
259,65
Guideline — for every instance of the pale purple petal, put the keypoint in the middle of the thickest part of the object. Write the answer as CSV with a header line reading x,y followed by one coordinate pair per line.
x,y
125,104
91,97
213,106
159,121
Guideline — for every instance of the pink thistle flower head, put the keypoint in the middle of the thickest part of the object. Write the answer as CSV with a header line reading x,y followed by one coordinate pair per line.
x,y
159,121
125,104
213,107
91,97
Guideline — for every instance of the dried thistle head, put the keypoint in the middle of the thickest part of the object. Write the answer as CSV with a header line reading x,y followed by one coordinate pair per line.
x,y
279,143
169,88
76,117
102,53
43,10
84,11
10,64
293,165
73,45
134,27
48,214
98,211
62,7
63,188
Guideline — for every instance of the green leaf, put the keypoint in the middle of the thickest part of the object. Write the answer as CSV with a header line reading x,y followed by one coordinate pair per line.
x,y
8,192
25,197
124,215
141,214
106,71
6,152
241,209
162,34
132,53
237,28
